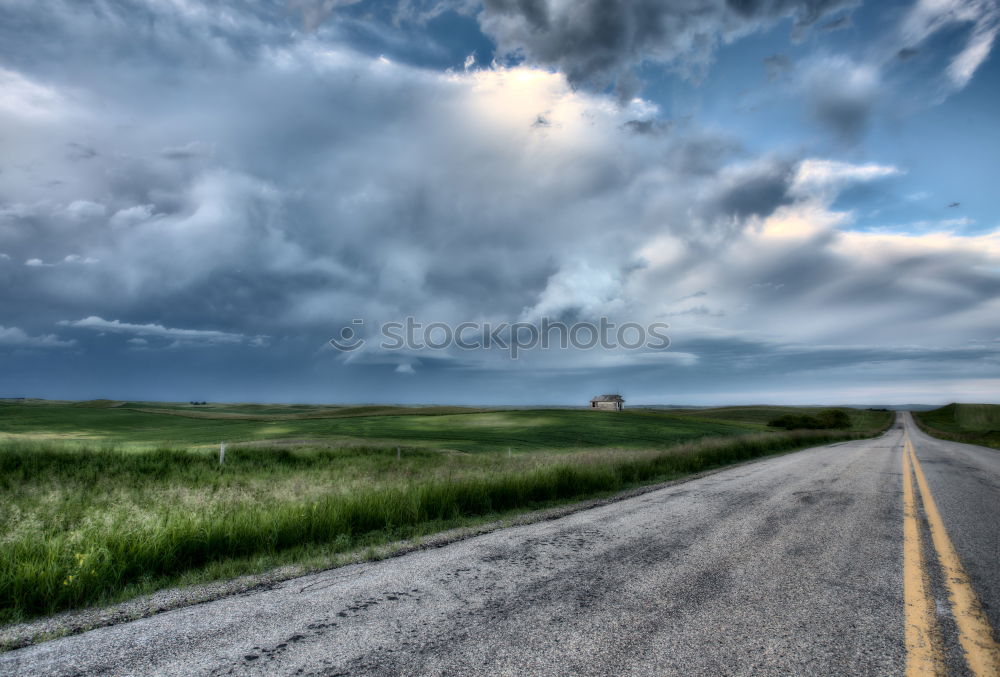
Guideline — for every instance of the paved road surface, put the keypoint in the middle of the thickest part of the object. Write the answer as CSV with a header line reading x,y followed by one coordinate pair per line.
x,y
790,566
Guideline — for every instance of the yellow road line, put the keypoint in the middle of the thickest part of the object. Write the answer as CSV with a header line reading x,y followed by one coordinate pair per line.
x,y
923,642
982,653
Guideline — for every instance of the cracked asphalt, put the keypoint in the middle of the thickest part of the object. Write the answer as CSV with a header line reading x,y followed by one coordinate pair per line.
x,y
788,566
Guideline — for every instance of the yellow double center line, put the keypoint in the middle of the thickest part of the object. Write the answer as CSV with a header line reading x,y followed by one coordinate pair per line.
x,y
924,655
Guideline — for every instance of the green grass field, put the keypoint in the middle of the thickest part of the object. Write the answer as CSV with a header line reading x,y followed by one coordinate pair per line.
x,y
462,429
970,423
467,430
102,501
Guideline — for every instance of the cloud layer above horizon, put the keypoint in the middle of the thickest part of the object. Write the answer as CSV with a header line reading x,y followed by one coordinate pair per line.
x,y
195,197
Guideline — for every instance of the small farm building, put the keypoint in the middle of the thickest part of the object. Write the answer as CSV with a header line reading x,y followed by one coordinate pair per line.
x,y
608,402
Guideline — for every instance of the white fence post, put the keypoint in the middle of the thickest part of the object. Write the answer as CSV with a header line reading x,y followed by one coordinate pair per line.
x,y
222,453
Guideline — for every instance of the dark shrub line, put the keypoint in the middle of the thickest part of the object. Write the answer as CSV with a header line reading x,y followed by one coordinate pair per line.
x,y
984,438
828,419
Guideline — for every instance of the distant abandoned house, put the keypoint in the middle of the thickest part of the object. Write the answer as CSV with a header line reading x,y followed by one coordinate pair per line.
x,y
608,402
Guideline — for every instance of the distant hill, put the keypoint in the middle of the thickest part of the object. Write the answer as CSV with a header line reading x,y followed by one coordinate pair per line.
x,y
98,404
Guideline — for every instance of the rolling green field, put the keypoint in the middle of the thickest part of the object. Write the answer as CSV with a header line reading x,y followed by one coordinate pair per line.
x,y
970,423
467,430
102,501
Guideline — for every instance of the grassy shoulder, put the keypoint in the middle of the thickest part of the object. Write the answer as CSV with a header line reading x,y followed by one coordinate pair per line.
x,y
969,423
85,524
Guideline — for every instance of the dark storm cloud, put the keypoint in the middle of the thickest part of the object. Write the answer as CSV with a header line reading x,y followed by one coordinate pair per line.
x,y
763,357
846,114
653,127
153,330
755,192
600,42
699,153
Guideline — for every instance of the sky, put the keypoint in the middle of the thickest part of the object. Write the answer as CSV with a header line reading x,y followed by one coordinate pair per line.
x,y
196,197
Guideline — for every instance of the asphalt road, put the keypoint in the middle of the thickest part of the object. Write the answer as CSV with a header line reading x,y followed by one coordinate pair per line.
x,y
793,565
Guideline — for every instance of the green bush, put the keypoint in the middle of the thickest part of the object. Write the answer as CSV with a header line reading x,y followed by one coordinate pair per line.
x,y
834,419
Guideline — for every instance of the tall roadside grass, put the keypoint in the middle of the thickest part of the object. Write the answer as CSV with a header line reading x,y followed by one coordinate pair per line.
x,y
75,555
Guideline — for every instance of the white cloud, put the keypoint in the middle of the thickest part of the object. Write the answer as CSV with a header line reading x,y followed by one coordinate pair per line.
x,y
965,64
189,150
823,176
84,210
130,216
616,359
15,336
580,288
182,336
76,258
926,226
928,17
23,98
69,259
801,278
